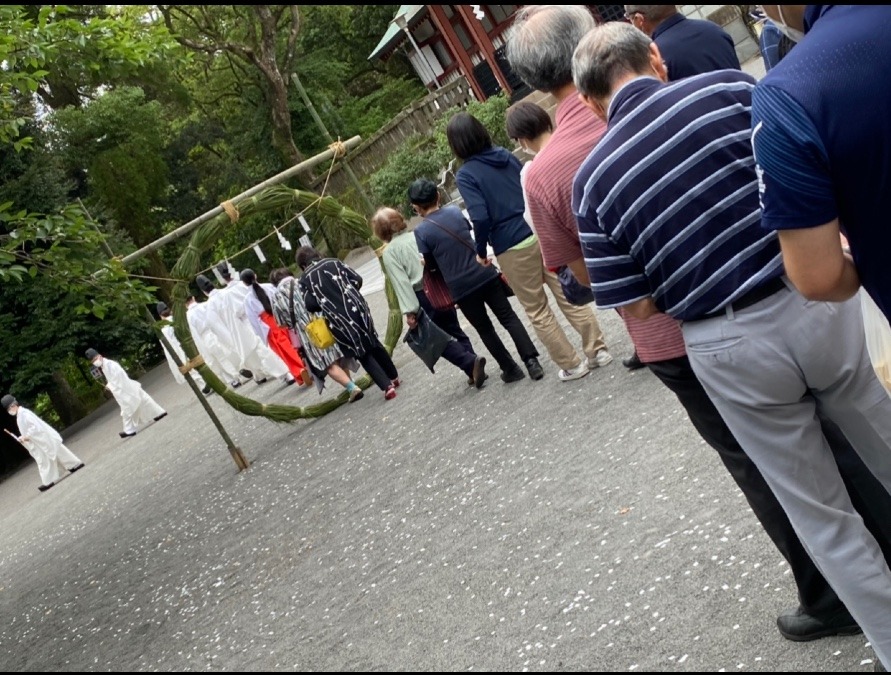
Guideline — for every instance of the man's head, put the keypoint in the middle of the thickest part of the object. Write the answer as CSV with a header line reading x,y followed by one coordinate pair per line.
x,y
541,41
278,275
204,284
609,56
9,404
789,19
93,356
424,196
648,17
386,223
223,269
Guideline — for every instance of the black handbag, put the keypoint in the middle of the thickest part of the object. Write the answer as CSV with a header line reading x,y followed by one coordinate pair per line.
x,y
574,292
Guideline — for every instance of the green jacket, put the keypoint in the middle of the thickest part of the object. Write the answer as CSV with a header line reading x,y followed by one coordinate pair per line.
x,y
405,269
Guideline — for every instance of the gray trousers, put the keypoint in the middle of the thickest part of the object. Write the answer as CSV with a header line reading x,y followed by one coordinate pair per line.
x,y
767,368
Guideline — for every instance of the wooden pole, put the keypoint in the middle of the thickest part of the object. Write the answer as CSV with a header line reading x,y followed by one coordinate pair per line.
x,y
237,455
183,230
366,201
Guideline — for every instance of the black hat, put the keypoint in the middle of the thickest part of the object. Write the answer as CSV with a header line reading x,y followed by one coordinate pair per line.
x,y
162,308
223,269
204,283
423,191
8,401
91,354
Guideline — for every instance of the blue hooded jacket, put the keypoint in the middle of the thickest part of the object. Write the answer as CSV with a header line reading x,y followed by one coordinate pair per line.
x,y
489,183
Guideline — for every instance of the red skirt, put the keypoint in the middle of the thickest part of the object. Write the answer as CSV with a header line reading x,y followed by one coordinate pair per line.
x,y
279,341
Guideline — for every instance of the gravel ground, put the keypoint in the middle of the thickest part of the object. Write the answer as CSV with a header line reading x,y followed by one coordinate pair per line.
x,y
535,526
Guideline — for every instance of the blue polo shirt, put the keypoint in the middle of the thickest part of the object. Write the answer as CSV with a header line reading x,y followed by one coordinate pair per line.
x,y
822,135
667,202
692,46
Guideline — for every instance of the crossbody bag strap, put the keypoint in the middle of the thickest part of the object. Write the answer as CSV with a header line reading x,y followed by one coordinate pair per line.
x,y
451,234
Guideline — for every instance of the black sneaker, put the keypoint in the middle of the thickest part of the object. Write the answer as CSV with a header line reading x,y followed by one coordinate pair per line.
x,y
799,626
535,370
512,375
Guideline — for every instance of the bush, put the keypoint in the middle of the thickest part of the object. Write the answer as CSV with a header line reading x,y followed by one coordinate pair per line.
x,y
426,155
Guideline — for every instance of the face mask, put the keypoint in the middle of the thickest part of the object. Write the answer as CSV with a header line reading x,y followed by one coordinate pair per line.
x,y
13,410
792,33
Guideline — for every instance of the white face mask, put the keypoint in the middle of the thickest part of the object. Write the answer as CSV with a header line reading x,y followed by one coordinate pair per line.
x,y
792,33
13,410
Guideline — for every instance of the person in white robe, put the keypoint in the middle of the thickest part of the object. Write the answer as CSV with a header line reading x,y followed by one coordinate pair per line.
x,y
43,443
230,322
137,407
221,360
170,335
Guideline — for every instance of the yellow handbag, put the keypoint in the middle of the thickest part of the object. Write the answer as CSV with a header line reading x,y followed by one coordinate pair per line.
x,y
319,334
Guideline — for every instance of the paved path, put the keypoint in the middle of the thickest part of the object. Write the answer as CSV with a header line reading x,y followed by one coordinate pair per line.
x,y
538,526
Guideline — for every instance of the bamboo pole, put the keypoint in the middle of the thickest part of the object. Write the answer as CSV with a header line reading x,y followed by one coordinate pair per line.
x,y
183,230
360,191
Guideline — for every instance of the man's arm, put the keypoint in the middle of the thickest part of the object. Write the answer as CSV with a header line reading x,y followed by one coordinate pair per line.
x,y
817,265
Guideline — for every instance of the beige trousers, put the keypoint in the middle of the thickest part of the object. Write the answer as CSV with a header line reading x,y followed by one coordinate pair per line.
x,y
525,270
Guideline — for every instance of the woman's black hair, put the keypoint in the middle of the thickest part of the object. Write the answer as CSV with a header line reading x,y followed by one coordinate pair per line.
x,y
467,136
306,256
526,120
249,278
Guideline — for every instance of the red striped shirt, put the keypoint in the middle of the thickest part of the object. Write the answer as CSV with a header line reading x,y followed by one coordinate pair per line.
x,y
658,338
549,181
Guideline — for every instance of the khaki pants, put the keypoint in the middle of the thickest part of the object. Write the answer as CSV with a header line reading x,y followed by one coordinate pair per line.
x,y
525,270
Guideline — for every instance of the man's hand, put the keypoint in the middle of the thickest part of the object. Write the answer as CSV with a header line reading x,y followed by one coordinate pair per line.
x,y
25,439
485,262
412,320
642,309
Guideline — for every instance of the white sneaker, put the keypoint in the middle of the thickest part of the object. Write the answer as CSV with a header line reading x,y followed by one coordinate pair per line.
x,y
602,359
576,373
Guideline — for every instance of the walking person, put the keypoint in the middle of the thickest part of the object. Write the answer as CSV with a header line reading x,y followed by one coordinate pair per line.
x,y
290,311
405,269
137,407
43,443
170,335
332,288
258,309
443,238
489,183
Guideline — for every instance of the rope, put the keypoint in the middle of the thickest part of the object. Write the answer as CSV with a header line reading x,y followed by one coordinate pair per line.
x,y
231,211
191,364
339,148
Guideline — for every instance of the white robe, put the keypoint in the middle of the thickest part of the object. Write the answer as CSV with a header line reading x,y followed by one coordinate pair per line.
x,y
170,334
137,407
220,360
45,445
231,323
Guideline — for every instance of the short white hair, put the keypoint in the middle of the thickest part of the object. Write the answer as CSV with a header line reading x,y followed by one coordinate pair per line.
x,y
607,53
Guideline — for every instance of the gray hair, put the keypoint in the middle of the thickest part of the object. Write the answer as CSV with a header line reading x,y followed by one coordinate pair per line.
x,y
607,53
651,12
541,42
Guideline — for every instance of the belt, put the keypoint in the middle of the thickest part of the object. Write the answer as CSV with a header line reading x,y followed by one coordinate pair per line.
x,y
757,294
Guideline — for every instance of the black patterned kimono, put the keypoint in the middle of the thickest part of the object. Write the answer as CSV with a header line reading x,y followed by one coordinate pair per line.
x,y
331,288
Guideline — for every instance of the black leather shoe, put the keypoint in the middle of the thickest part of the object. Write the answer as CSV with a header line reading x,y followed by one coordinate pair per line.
x,y
161,417
633,362
77,468
479,372
124,434
44,488
534,368
799,626
512,375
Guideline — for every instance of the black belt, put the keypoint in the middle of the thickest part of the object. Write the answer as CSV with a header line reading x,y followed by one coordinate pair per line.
x,y
757,294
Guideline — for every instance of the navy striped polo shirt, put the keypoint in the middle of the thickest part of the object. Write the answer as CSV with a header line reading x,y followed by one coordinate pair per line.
x,y
667,203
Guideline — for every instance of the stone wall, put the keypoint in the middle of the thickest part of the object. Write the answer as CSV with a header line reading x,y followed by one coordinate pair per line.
x,y
728,17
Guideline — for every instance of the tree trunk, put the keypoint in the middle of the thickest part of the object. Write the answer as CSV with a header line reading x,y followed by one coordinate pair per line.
x,y
68,405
